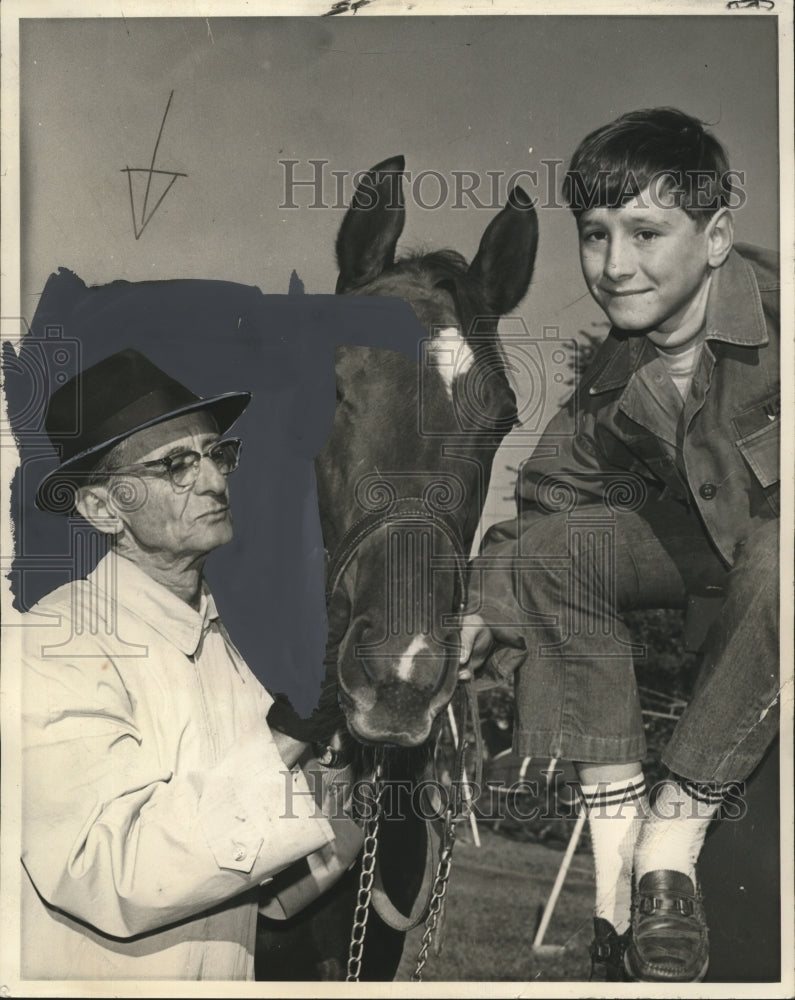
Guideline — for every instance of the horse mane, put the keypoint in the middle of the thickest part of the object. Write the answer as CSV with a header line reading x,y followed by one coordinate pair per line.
x,y
447,265
442,260
432,267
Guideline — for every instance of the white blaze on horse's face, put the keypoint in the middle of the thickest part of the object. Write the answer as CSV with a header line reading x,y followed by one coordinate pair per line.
x,y
450,354
406,664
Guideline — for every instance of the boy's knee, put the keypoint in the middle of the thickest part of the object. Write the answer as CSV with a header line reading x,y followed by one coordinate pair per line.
x,y
544,564
544,555
544,535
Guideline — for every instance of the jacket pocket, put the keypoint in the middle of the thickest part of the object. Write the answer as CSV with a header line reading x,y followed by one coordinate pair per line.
x,y
761,451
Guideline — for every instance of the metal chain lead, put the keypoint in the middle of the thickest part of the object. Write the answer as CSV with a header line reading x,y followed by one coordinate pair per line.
x,y
364,895
440,882
437,896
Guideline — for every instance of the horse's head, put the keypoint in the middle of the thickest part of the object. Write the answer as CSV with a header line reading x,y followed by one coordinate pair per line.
x,y
404,474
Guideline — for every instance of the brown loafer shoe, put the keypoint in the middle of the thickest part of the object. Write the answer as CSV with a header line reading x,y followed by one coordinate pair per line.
x,y
607,953
669,930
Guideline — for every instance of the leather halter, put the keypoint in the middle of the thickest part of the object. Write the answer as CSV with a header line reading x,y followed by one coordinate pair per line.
x,y
405,511
411,511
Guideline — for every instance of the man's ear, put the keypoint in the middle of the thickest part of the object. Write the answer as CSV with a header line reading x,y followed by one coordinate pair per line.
x,y
94,504
720,237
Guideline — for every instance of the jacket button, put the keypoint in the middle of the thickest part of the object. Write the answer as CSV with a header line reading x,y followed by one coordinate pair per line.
x,y
240,853
708,491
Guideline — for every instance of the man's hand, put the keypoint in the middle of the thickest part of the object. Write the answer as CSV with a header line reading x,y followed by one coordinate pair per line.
x,y
333,787
298,885
477,640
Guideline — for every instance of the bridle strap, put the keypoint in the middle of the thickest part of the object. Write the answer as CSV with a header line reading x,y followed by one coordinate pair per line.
x,y
384,906
405,511
434,841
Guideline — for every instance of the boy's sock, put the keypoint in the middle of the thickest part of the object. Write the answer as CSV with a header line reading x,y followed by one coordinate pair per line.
x,y
616,813
673,835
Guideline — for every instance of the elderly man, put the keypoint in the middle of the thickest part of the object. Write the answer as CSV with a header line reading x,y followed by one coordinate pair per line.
x,y
157,801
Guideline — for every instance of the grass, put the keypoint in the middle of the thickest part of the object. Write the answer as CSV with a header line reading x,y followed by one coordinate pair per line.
x,y
494,901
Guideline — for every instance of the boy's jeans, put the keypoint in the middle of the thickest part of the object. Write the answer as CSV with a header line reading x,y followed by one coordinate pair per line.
x,y
576,692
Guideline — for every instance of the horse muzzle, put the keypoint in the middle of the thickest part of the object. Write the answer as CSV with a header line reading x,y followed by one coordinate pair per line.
x,y
383,707
399,715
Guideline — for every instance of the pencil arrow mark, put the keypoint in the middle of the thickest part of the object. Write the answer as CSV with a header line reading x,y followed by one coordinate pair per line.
x,y
139,224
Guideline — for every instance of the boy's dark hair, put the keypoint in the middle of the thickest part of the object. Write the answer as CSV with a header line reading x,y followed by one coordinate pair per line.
x,y
616,162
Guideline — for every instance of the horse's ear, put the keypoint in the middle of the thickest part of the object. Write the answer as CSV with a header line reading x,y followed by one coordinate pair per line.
x,y
504,262
372,225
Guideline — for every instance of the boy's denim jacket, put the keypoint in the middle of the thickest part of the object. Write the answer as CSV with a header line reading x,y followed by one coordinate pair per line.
x,y
613,444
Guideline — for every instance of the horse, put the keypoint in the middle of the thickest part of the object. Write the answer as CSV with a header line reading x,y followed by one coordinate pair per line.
x,y
402,480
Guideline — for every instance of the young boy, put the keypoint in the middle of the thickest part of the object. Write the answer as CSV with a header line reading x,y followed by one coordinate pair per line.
x,y
658,480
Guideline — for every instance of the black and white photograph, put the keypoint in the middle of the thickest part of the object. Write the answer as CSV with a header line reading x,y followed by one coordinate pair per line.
x,y
397,512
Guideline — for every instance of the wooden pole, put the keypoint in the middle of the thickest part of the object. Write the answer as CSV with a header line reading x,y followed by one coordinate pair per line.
x,y
560,879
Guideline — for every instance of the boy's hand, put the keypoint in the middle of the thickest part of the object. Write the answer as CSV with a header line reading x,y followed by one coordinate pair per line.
x,y
477,640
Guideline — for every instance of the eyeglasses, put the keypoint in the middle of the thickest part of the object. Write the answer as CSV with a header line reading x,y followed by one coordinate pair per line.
x,y
183,467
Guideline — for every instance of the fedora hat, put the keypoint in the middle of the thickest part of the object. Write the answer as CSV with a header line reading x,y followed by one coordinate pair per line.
x,y
109,401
